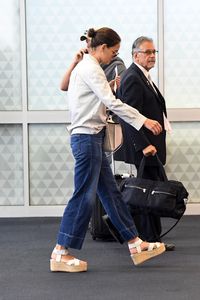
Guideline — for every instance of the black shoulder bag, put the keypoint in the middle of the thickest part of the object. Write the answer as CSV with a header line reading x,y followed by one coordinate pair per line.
x,y
167,198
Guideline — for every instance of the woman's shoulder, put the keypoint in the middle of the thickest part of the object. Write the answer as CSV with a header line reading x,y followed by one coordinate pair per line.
x,y
88,61
89,71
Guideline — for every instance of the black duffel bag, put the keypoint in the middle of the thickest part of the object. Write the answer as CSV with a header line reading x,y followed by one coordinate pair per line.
x,y
167,198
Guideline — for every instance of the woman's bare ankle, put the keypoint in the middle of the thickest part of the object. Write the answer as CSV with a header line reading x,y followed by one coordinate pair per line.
x,y
65,255
133,240
143,245
59,247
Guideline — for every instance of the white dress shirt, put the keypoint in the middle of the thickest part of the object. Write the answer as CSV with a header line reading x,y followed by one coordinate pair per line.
x,y
89,94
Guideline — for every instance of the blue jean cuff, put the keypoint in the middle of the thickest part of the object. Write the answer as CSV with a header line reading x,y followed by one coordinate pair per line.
x,y
69,241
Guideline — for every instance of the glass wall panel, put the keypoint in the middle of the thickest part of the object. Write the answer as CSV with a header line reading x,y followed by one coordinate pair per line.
x,y
53,30
183,159
182,55
10,68
51,164
11,165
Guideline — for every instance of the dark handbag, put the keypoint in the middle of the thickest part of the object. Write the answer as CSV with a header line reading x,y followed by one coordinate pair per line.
x,y
165,198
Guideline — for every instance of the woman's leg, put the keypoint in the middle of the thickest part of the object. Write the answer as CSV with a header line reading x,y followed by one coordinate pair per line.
x,y
113,203
118,212
87,152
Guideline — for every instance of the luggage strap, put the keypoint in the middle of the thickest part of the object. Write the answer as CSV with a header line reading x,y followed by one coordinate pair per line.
x,y
166,232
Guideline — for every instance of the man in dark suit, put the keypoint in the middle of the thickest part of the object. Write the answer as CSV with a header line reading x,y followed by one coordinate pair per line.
x,y
137,90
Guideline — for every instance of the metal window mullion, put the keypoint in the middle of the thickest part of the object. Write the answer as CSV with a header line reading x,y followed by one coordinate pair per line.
x,y
160,28
23,36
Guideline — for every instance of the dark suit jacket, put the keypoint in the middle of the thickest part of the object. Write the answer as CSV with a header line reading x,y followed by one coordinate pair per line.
x,y
137,91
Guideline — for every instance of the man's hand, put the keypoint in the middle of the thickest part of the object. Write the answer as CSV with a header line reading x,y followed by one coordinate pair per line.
x,y
153,126
115,83
149,150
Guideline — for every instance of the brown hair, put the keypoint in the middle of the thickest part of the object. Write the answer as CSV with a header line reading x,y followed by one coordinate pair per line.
x,y
103,35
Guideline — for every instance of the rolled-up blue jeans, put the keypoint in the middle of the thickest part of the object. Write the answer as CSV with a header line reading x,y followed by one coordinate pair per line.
x,y
92,175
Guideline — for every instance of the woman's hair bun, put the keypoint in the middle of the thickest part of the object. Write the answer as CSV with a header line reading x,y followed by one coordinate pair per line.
x,y
91,33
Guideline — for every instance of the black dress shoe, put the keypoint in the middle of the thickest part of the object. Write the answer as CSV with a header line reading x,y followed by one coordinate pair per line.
x,y
115,233
169,247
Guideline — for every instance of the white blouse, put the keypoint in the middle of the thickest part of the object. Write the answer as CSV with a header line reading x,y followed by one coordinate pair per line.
x,y
89,94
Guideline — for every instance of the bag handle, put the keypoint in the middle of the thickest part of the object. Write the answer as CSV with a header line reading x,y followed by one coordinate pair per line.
x,y
142,165
167,231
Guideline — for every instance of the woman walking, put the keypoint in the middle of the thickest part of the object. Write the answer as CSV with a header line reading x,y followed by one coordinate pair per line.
x,y
89,95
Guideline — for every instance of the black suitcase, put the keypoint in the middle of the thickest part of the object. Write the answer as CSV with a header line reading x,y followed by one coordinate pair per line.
x,y
102,228
98,228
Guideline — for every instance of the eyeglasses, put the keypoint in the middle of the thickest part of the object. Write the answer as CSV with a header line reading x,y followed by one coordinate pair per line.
x,y
148,51
115,53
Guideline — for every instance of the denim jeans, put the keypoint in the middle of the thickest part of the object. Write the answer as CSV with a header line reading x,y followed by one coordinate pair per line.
x,y
92,175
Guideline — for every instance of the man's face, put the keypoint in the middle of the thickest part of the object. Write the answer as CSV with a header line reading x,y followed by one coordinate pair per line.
x,y
145,56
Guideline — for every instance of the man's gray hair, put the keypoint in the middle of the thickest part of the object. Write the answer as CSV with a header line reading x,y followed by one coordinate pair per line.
x,y
140,40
